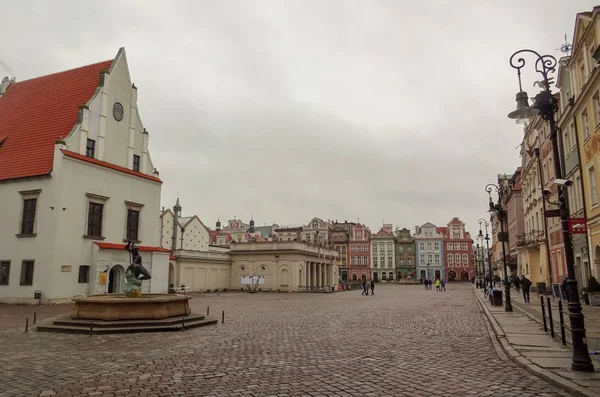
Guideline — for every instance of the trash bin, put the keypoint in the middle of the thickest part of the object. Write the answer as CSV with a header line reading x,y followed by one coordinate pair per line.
x,y
497,298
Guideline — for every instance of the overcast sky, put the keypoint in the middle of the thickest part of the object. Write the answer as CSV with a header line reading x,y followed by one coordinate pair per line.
x,y
341,109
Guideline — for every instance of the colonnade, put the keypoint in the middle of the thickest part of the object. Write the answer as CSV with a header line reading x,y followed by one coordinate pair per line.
x,y
318,276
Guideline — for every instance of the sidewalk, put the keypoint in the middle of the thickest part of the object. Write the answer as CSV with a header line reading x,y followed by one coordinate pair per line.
x,y
534,310
527,345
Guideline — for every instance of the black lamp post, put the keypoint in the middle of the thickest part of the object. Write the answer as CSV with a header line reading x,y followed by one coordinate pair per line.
x,y
487,246
501,213
546,106
479,261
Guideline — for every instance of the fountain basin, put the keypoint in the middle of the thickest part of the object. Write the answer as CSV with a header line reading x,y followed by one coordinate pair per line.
x,y
112,307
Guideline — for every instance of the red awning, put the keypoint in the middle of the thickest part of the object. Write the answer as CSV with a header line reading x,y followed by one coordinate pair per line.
x,y
114,246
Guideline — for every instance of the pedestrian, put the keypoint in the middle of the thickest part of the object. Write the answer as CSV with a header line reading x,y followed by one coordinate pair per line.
x,y
525,286
438,283
372,287
443,285
517,284
364,288
563,287
425,283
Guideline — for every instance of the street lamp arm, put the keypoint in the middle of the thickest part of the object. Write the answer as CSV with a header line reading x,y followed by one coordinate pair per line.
x,y
491,187
544,65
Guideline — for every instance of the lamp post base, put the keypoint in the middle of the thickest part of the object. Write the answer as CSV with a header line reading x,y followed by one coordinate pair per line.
x,y
508,303
581,361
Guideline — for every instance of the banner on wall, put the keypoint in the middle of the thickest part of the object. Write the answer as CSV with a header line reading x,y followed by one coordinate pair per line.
x,y
103,278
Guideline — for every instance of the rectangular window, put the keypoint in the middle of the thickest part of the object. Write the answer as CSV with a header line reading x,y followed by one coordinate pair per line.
x,y
422,246
133,222
464,246
428,246
578,198
136,163
28,221
95,213
449,246
437,258
375,261
465,259
421,258
382,261
375,248
429,258
593,187
84,274
390,261
365,260
457,258
90,148
450,258
352,248
4,272
400,248
436,246
26,273
585,124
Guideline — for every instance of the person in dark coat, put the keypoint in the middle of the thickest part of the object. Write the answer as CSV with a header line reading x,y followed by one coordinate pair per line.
x,y
525,286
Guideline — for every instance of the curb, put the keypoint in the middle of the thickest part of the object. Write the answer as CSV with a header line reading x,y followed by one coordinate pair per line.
x,y
523,362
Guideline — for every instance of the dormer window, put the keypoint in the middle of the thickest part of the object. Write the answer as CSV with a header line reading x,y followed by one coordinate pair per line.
x,y
136,163
90,148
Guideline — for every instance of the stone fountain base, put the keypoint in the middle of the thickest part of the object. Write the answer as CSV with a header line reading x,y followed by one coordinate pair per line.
x,y
119,314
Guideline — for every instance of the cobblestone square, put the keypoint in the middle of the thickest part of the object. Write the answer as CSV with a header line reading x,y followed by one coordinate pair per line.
x,y
403,341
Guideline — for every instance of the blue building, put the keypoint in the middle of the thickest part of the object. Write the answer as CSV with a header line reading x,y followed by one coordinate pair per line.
x,y
429,251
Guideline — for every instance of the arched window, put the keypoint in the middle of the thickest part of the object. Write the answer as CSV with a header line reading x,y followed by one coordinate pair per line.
x,y
384,276
391,276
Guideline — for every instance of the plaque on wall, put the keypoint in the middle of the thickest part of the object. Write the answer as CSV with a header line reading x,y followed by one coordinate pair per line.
x,y
66,268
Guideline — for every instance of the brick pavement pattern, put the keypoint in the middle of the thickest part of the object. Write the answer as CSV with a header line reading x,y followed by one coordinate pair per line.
x,y
403,341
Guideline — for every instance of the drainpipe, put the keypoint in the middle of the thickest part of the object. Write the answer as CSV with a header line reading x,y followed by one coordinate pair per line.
x,y
583,201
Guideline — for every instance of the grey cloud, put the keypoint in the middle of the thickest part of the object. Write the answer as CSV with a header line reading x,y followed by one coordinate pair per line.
x,y
293,109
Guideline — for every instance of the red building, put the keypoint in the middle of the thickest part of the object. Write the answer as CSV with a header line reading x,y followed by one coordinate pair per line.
x,y
458,251
359,254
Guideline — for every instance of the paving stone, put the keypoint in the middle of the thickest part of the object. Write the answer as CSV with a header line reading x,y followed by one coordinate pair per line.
x,y
404,341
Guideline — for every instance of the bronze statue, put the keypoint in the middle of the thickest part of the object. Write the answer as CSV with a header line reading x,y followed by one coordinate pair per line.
x,y
136,267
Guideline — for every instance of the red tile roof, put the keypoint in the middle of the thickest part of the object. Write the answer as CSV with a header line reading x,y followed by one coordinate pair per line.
x,y
109,165
36,112
114,246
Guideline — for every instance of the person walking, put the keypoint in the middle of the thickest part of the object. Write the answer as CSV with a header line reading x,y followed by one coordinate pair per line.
x,y
443,285
525,286
364,288
372,287
438,283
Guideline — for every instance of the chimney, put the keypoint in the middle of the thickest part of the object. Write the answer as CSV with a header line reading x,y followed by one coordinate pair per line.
x,y
6,82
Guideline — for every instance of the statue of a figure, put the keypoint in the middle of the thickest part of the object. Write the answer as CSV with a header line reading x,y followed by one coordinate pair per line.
x,y
136,267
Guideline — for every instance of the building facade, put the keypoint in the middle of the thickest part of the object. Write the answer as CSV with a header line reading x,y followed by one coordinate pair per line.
x,y
405,254
532,248
86,185
316,232
383,256
582,88
195,264
340,240
458,252
429,240
515,225
359,254
286,266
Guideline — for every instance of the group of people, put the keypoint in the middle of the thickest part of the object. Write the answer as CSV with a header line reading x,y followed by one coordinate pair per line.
x,y
440,284
366,285
521,284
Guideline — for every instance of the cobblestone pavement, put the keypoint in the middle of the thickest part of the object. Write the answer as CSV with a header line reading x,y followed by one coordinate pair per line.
x,y
403,341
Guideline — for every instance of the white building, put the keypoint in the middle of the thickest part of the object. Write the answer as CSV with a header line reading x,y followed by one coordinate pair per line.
x,y
76,181
195,263
429,241
383,256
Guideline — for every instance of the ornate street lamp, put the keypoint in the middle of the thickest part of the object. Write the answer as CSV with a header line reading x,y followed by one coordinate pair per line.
x,y
501,213
546,106
487,246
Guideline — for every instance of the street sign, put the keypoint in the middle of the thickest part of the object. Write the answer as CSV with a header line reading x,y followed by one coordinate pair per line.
x,y
552,213
577,226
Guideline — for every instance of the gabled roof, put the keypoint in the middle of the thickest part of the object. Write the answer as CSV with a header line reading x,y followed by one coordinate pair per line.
x,y
35,113
582,21
382,233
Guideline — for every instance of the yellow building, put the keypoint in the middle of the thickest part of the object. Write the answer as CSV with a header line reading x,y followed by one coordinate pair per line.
x,y
585,86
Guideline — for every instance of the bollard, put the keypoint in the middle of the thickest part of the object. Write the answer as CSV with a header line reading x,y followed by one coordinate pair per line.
x,y
544,315
91,327
550,318
207,310
223,317
561,317
27,324
34,317
183,323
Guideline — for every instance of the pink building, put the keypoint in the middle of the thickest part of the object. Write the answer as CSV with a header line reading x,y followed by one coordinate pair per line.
x,y
458,251
359,252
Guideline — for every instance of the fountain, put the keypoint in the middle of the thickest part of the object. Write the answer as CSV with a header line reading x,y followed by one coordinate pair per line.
x,y
129,312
